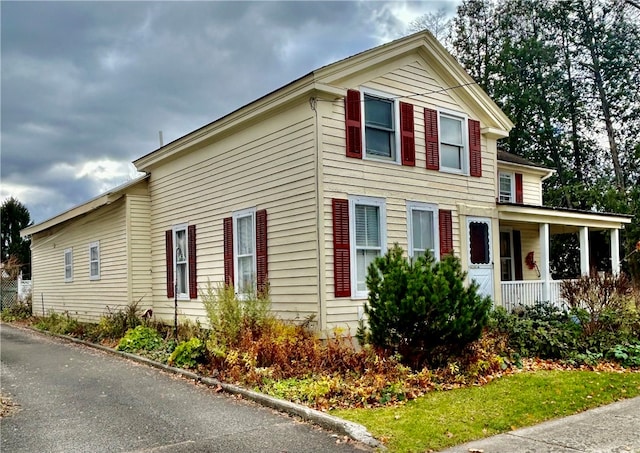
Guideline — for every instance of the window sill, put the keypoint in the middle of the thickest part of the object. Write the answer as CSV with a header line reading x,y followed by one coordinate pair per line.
x,y
380,159
455,171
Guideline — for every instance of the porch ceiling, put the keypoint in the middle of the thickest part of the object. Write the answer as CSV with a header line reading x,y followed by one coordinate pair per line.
x,y
561,220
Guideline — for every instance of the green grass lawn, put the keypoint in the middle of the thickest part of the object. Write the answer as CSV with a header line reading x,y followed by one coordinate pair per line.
x,y
443,419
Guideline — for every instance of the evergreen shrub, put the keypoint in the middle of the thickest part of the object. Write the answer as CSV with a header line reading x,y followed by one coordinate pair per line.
x,y
421,309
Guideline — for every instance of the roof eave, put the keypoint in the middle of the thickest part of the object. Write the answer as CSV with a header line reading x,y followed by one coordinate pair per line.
x,y
543,172
561,216
84,208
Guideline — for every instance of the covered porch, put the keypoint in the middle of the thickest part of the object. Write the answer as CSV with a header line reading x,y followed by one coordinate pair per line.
x,y
524,243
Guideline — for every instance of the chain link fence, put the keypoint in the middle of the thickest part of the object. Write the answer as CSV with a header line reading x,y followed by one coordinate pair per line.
x,y
8,293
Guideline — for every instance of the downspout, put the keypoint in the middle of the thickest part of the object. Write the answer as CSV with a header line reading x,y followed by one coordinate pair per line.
x,y
322,323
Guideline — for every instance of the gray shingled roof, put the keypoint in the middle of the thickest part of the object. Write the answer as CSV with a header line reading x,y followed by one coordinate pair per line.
x,y
513,159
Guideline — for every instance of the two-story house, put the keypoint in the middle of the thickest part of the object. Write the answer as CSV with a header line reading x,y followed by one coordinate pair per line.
x,y
304,187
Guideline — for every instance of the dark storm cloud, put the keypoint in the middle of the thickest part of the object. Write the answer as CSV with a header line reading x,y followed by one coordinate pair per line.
x,y
87,82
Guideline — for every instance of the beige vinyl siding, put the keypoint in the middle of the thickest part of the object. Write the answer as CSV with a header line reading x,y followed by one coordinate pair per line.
x,y
138,227
395,183
530,242
82,298
530,238
531,189
270,165
531,184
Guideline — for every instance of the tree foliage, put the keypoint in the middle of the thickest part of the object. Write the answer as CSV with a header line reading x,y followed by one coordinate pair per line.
x,y
421,309
568,75
14,216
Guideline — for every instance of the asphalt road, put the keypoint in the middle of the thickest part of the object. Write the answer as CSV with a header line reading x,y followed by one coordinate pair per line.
x,y
72,398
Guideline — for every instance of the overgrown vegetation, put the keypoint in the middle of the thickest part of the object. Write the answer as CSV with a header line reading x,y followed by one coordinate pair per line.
x,y
21,311
421,309
245,343
188,353
141,338
601,323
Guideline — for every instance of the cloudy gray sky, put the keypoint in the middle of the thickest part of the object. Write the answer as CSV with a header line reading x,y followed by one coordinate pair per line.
x,y
86,86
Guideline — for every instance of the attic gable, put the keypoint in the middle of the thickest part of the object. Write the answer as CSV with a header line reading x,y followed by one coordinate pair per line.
x,y
448,78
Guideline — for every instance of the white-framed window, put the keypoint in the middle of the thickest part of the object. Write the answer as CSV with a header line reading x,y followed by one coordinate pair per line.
x,y
94,261
381,119
453,142
68,265
507,187
181,260
367,231
422,229
244,251
507,263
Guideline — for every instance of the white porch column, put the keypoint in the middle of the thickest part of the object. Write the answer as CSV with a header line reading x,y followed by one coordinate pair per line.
x,y
615,251
545,273
584,251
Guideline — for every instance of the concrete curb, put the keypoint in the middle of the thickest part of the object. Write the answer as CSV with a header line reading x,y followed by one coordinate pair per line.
x,y
355,431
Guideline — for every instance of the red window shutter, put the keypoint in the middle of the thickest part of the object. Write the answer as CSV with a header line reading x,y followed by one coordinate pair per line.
x,y
446,232
352,111
261,251
227,228
408,142
431,139
168,242
193,278
519,198
475,149
341,248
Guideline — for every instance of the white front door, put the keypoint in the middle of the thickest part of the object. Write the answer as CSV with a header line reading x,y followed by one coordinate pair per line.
x,y
480,259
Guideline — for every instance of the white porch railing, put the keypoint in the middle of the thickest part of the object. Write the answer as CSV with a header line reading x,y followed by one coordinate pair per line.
x,y
528,292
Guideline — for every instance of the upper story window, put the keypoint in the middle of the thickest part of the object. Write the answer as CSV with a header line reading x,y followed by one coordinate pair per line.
x,y
379,127
94,261
422,226
452,143
368,238
510,187
244,245
68,265
506,187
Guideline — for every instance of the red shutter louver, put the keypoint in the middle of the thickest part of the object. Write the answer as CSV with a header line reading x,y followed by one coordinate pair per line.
x,y
408,142
193,278
519,197
431,139
341,248
227,228
446,232
168,243
261,251
475,149
353,124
